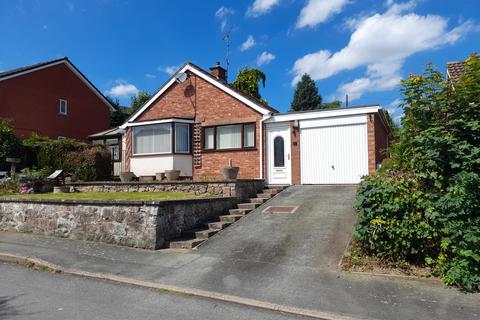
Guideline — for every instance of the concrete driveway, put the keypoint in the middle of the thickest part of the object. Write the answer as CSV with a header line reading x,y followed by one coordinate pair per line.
x,y
315,235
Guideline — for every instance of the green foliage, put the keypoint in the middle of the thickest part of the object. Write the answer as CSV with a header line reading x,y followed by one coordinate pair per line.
x,y
248,81
90,164
332,105
10,145
423,206
306,95
34,175
139,100
52,154
117,117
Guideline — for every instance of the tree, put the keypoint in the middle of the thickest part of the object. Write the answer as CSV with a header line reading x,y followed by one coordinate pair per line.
x,y
248,82
10,145
139,100
306,95
332,105
118,116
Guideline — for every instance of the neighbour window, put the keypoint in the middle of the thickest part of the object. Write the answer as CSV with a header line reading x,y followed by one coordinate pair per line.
x,y
62,106
238,136
152,139
278,152
209,142
182,138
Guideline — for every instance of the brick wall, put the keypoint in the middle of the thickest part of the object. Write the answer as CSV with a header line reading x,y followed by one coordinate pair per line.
x,y
31,102
295,150
378,141
209,106
371,143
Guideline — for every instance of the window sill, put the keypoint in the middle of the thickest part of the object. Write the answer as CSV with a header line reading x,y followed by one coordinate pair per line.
x,y
228,150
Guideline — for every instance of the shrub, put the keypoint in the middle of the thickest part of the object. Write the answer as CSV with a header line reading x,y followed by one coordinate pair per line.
x,y
424,205
10,145
91,163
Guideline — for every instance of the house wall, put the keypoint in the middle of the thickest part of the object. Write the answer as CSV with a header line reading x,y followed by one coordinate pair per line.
x,y
196,98
31,102
150,165
382,136
295,152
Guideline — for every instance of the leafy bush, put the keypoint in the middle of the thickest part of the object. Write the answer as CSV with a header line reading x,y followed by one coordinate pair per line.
x,y
423,206
91,163
10,145
9,185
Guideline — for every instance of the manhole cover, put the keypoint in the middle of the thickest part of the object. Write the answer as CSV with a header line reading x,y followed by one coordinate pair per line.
x,y
280,209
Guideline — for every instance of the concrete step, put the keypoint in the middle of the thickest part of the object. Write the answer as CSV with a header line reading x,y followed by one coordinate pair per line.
x,y
205,234
231,218
265,196
239,211
220,225
271,191
250,206
185,243
257,200
279,187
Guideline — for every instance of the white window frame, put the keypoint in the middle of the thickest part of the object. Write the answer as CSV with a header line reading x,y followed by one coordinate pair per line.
x,y
60,101
151,153
188,139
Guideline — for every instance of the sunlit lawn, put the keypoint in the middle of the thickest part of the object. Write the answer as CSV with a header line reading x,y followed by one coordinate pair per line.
x,y
133,196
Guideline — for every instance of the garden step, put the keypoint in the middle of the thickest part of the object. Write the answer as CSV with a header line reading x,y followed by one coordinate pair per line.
x,y
185,244
264,195
257,200
247,205
271,191
220,225
241,212
231,218
205,234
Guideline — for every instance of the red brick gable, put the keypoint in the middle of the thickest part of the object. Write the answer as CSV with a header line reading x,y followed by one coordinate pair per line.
x,y
31,102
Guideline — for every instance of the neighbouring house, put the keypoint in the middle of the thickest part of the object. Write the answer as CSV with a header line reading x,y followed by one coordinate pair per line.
x,y
454,70
197,123
53,99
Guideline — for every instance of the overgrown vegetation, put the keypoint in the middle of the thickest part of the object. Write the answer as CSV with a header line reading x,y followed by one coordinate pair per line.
x,y
248,81
423,206
10,145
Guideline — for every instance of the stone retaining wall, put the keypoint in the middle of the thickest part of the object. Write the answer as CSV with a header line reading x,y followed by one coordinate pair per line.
x,y
241,189
130,223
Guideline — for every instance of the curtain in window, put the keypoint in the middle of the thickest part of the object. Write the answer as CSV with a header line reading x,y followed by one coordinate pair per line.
x,y
249,135
229,137
182,138
152,139
209,138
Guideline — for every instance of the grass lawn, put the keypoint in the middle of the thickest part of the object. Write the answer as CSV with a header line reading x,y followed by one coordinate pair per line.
x,y
133,196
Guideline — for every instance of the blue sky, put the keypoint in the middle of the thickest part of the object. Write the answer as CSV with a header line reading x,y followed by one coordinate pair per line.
x,y
359,47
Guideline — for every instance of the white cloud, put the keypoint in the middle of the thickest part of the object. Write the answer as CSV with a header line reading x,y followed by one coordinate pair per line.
x,y
222,13
260,7
265,58
393,107
381,43
122,90
170,70
150,76
318,11
250,42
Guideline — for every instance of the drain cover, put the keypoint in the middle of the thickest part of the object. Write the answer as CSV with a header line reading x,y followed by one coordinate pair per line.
x,y
280,209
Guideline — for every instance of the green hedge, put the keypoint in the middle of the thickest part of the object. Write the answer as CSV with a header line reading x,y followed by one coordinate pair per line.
x,y
423,206
10,145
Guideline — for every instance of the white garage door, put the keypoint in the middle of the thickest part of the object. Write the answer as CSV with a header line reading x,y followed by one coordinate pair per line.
x,y
334,154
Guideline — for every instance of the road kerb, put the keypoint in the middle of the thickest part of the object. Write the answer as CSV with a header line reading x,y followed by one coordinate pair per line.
x,y
42,264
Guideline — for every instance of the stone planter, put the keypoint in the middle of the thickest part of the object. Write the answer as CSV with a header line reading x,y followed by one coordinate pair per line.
x,y
146,178
160,176
43,187
61,189
172,175
126,176
230,173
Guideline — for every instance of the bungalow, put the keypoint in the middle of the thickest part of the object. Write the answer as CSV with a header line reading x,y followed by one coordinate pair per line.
x,y
197,123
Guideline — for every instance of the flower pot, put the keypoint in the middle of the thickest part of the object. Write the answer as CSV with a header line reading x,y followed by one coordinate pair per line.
x,y
230,173
126,176
159,176
172,175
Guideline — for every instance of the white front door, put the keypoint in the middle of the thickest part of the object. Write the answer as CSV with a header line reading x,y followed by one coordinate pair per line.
x,y
279,169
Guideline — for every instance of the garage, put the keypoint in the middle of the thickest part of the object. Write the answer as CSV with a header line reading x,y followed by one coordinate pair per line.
x,y
332,146
333,153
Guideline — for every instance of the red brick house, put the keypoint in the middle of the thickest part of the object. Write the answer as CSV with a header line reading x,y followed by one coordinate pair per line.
x,y
53,99
197,123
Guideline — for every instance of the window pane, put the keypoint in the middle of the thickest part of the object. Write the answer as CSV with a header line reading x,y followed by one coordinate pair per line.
x,y
114,152
278,152
152,139
249,135
229,137
182,137
209,138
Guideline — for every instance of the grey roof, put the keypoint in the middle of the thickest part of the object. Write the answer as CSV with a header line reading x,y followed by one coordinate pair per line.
x,y
110,132
318,110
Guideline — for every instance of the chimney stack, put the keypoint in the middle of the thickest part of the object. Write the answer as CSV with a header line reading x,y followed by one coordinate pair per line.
x,y
218,72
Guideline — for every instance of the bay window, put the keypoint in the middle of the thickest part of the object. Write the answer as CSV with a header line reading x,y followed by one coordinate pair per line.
x,y
229,137
161,138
